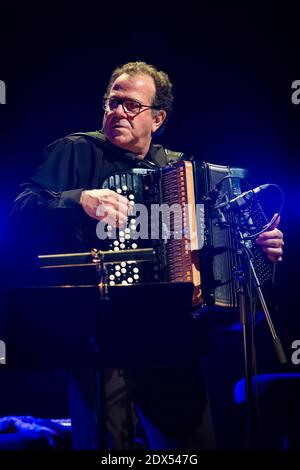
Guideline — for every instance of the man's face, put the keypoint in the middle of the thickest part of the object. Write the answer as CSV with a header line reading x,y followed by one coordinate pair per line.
x,y
132,133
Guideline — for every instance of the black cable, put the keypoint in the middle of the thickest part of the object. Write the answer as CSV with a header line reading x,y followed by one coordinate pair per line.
x,y
268,225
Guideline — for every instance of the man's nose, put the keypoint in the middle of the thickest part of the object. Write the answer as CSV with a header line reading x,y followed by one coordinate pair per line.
x,y
119,110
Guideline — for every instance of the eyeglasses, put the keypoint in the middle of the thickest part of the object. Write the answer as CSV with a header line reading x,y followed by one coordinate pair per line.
x,y
131,107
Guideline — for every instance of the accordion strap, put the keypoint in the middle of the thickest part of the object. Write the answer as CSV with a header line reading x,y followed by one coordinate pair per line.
x,y
165,156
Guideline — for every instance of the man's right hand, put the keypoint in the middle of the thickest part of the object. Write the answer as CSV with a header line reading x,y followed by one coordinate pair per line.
x,y
106,205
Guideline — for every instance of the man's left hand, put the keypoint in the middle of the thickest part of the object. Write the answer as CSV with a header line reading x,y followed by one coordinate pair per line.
x,y
272,240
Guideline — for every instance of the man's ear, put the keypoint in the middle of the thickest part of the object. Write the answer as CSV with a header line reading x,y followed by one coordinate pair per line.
x,y
158,119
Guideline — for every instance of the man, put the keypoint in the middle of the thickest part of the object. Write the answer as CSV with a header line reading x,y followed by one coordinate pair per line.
x,y
64,197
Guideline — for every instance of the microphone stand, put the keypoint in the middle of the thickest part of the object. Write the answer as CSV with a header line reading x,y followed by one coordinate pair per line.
x,y
246,321
243,277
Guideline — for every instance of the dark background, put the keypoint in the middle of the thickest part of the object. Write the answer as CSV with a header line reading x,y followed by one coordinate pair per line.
x,y
232,70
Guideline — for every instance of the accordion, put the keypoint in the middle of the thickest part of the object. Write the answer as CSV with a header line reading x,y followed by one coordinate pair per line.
x,y
174,213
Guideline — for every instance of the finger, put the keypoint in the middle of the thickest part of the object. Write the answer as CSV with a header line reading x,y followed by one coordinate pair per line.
x,y
273,251
276,234
273,242
275,259
120,219
101,212
109,194
121,223
122,201
113,219
117,205
124,205
114,200
274,222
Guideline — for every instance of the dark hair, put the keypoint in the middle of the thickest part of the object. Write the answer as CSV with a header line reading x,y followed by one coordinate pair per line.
x,y
163,98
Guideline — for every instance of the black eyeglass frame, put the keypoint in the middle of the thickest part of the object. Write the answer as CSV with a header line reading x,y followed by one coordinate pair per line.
x,y
122,101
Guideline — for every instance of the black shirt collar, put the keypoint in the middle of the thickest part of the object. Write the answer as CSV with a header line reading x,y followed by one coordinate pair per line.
x,y
155,157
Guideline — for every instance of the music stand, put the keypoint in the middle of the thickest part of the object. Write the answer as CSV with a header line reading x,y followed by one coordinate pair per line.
x,y
75,327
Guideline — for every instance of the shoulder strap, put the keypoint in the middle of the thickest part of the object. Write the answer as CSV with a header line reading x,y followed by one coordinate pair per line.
x,y
163,156
173,156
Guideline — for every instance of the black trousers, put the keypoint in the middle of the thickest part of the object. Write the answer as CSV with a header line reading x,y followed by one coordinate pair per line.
x,y
168,407
151,408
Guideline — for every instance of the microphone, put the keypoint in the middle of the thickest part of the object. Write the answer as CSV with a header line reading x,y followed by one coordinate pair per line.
x,y
242,199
